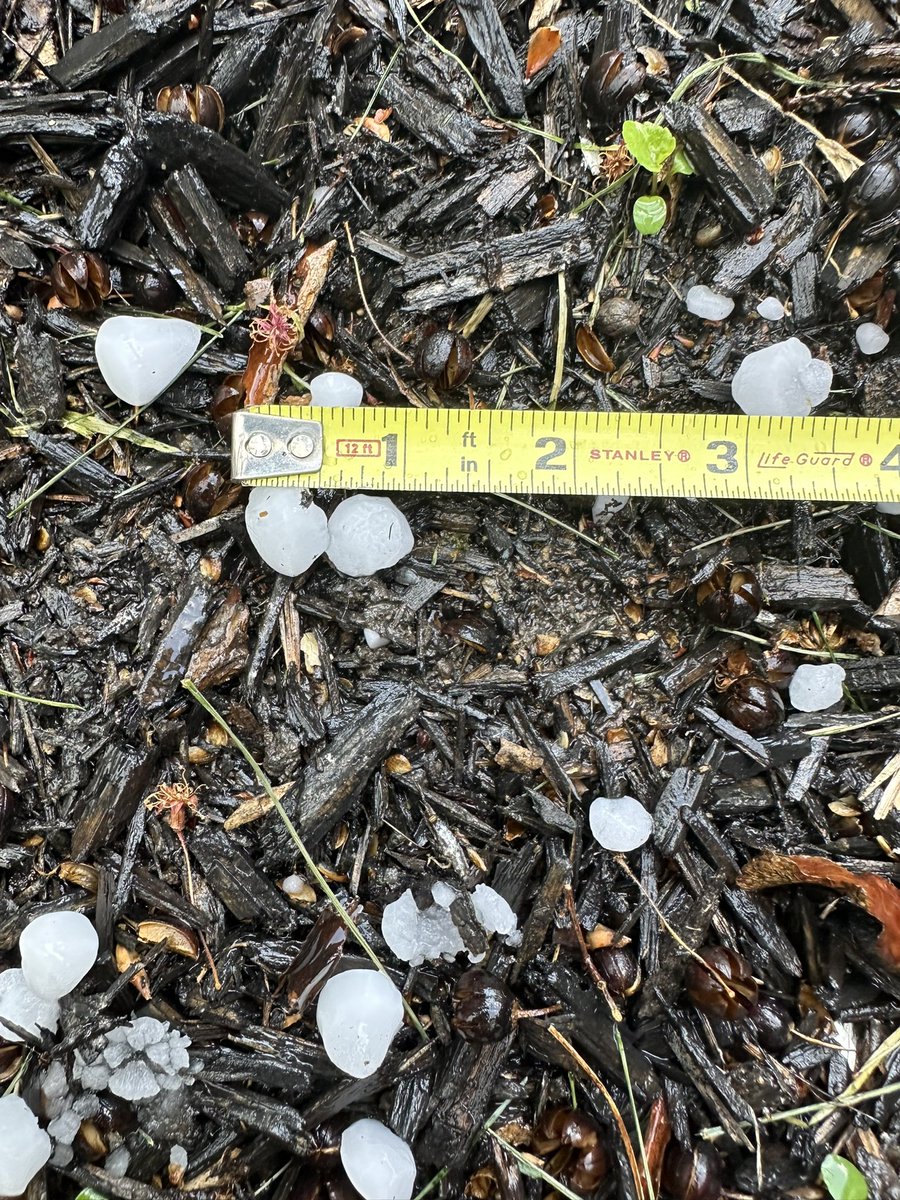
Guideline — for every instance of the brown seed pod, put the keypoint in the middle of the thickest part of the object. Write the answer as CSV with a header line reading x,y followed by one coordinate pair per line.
x,y
475,631
727,989
226,400
80,280
592,350
573,1139
156,290
618,316
772,1024
202,487
198,103
730,597
482,1007
618,968
692,1174
859,127
609,84
445,359
753,705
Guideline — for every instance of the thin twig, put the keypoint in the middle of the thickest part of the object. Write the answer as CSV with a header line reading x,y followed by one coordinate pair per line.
x,y
589,965
359,283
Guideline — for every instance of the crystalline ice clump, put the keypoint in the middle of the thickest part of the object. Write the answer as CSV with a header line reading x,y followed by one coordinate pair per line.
x,y
140,356
814,688
134,1081
358,1014
287,534
19,1004
178,1157
770,309
781,380
704,302
368,533
24,1146
416,935
605,507
334,389
619,823
58,949
136,1061
871,338
379,1164
495,914
374,639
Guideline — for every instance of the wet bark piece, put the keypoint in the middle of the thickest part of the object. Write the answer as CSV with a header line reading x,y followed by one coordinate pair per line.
x,y
741,182
122,776
247,894
471,268
60,128
117,42
208,229
596,666
41,394
788,587
544,905
504,75
222,649
239,1107
429,119
175,648
333,780
86,475
116,185
872,675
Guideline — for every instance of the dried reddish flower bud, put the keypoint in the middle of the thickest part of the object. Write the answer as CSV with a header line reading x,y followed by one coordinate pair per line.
x,y
482,1007
725,988
198,103
80,280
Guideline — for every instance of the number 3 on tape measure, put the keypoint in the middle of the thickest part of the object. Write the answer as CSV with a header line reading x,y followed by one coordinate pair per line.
x,y
726,462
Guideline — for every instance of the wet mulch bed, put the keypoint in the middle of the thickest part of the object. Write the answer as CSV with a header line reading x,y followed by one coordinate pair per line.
x,y
458,169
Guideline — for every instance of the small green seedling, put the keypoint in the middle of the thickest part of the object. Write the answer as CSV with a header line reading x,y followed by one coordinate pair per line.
x,y
654,148
843,1180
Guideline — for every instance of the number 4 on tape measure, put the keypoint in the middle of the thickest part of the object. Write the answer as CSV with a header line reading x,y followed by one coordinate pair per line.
x,y
569,453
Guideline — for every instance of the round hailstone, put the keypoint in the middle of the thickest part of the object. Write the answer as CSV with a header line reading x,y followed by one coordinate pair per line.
x,y
374,639
605,507
871,338
619,823
378,1163
22,1006
24,1147
334,389
704,302
814,688
358,1014
294,885
287,530
140,356
770,309
892,510
781,380
368,533
58,949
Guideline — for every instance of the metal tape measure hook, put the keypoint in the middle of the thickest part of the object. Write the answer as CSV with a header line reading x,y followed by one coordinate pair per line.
x,y
264,445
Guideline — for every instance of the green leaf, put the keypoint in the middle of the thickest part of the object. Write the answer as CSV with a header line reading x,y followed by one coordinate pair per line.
x,y
649,214
681,164
843,1180
649,145
88,1193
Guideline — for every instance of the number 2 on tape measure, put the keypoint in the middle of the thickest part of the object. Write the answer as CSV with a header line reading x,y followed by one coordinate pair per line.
x,y
545,462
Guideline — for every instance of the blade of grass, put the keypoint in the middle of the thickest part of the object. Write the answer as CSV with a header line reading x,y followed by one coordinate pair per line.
x,y
825,1107
86,424
527,1167
562,326
634,1112
263,781
556,521
38,700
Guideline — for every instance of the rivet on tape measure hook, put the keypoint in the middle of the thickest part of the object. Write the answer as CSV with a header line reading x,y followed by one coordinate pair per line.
x,y
713,455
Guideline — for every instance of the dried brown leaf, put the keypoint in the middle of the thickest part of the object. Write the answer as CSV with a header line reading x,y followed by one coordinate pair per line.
x,y
178,940
542,45
591,350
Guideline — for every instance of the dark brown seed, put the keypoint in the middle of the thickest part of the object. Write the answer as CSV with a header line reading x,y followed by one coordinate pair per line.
x,y
156,290
592,350
859,127
780,666
319,955
80,280
727,990
772,1024
202,487
573,1140
226,400
692,1175
618,316
731,598
873,190
445,359
618,968
200,104
609,84
753,705
482,1007
474,631
547,207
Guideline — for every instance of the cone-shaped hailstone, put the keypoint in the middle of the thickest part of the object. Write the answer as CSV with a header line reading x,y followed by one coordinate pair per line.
x,y
619,823
24,1146
368,533
379,1164
288,532
23,1007
358,1014
140,356
58,949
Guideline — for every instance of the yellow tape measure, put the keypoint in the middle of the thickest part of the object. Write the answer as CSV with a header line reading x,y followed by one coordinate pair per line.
x,y
569,453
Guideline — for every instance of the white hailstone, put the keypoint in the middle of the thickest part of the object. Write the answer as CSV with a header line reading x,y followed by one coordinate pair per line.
x,y
892,510
368,533
374,639
287,531
334,389
140,356
58,949
443,894
379,1164
64,1127
22,1006
134,1081
416,935
24,1147
178,1157
146,1031
704,302
605,507
770,309
359,1013
781,380
117,1161
495,914
55,1088
814,688
871,338
293,885
619,823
